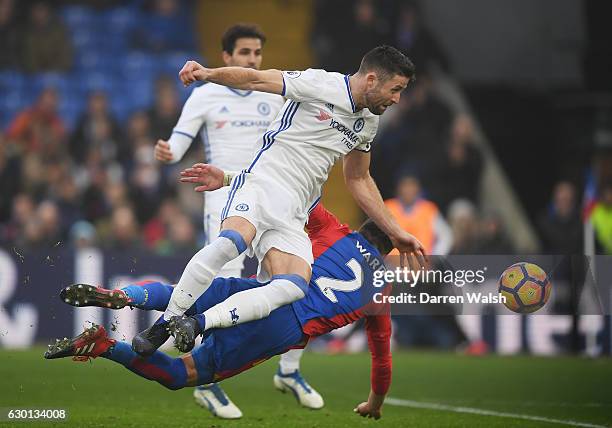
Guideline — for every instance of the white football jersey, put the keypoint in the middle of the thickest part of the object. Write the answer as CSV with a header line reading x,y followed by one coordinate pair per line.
x,y
317,125
231,122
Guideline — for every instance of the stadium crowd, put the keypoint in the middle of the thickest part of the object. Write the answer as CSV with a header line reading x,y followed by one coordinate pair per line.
x,y
73,167
82,108
76,160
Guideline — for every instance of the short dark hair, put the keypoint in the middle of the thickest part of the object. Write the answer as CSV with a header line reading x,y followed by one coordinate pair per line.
x,y
387,61
239,31
376,237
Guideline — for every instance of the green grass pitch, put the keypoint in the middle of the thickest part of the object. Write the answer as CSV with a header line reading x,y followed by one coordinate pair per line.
x,y
104,394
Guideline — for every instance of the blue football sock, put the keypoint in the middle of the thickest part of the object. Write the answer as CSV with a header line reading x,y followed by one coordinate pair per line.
x,y
201,319
168,371
149,295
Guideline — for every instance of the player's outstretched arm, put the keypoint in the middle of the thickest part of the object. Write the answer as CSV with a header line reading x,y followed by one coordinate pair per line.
x,y
208,177
360,183
234,77
378,329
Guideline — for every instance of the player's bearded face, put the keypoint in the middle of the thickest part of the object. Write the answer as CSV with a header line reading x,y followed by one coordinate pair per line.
x,y
384,93
247,53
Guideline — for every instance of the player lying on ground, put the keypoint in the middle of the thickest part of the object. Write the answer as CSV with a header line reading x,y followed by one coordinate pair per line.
x,y
231,122
341,293
327,116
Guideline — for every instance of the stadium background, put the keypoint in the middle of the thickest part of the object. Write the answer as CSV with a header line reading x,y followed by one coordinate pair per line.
x,y
507,130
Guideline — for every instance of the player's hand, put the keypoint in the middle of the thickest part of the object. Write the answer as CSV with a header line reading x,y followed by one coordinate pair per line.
x,y
191,72
366,410
412,252
208,177
162,151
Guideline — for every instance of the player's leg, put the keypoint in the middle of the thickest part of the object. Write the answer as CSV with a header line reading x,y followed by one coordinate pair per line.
x,y
286,256
94,342
289,282
149,295
241,347
197,277
288,378
236,234
146,295
282,246
212,396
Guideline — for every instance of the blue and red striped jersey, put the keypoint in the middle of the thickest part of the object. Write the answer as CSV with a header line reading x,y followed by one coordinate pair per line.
x,y
341,290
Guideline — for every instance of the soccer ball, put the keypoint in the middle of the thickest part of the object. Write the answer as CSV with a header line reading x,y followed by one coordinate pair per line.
x,y
525,286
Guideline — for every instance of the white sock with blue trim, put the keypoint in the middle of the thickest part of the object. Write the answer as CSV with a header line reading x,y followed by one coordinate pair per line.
x,y
202,269
256,303
290,361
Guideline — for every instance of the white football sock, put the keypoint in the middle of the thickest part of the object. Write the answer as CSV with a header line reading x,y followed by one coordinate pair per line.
x,y
290,361
256,303
199,273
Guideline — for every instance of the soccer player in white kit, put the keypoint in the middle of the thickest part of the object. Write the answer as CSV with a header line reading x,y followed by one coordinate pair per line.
x,y
326,116
230,122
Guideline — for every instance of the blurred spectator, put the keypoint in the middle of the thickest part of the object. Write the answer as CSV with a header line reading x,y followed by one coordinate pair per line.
x,y
493,239
23,209
474,235
82,234
427,120
102,140
420,217
96,127
463,220
33,176
46,45
416,132
166,111
124,231
341,50
9,36
95,204
458,170
41,228
10,178
139,127
68,202
166,27
417,42
102,167
50,225
39,128
116,194
560,226
154,231
147,187
601,218
182,235
368,31
137,134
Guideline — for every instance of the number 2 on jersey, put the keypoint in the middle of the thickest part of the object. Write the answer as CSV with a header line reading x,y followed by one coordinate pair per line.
x,y
328,285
